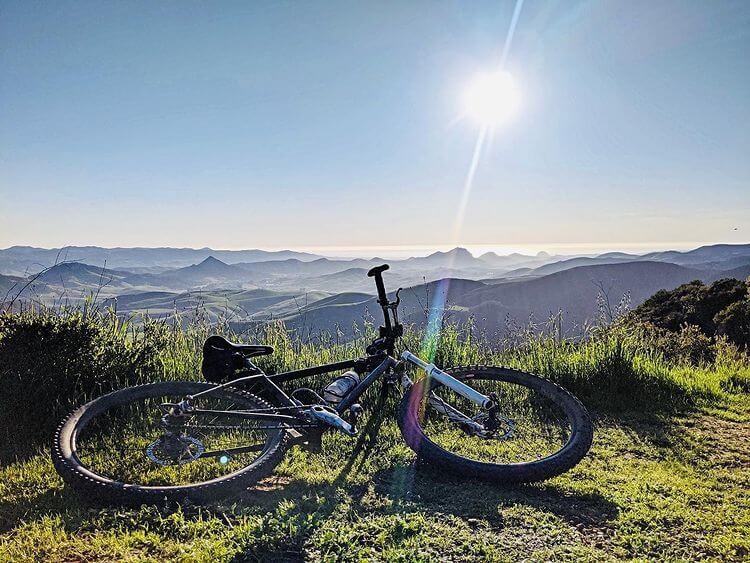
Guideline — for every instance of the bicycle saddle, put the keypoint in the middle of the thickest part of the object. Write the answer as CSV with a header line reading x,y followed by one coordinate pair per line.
x,y
219,343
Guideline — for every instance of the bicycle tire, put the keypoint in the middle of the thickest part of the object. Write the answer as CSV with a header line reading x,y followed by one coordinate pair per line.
x,y
560,462
101,489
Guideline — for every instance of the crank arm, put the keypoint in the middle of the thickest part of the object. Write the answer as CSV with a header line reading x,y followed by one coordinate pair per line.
x,y
332,419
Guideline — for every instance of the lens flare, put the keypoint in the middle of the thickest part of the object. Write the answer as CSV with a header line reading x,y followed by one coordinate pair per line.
x,y
438,302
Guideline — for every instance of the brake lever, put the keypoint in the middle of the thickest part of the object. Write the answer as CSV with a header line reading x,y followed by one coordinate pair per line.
x,y
398,298
393,305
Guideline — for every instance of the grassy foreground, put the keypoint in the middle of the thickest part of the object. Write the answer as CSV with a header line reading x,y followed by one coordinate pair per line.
x,y
667,478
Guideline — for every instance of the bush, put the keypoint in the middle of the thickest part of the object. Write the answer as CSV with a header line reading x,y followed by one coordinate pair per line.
x,y
723,308
612,369
734,322
689,345
52,362
735,364
625,366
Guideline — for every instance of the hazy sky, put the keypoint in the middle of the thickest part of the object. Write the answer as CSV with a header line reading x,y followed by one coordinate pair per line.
x,y
335,124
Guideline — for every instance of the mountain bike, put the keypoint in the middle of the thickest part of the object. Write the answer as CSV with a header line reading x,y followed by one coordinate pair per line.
x,y
200,441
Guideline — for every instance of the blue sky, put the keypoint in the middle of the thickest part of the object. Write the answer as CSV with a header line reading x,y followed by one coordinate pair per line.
x,y
336,124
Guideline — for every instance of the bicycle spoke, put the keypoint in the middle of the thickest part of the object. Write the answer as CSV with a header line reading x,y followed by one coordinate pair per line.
x,y
530,426
129,444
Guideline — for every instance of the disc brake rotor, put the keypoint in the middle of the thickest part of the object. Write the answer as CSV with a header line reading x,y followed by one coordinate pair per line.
x,y
174,450
504,427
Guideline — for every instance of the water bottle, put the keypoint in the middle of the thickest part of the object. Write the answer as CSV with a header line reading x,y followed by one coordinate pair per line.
x,y
340,387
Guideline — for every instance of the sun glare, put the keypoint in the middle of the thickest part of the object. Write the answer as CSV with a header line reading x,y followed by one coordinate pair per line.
x,y
492,98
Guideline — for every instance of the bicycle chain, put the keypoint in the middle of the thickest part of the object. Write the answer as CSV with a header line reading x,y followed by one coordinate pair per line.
x,y
230,427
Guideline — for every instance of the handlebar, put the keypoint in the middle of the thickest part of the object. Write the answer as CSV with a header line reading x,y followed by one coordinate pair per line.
x,y
392,328
378,270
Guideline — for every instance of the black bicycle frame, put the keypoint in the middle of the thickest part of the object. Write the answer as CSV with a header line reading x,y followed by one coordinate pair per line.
x,y
382,363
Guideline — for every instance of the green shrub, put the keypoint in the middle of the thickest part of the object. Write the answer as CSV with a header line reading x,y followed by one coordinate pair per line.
x,y
722,308
688,345
51,362
611,370
734,364
734,322
625,366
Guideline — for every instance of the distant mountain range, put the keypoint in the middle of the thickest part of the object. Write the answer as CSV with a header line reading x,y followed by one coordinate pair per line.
x,y
575,293
27,260
312,292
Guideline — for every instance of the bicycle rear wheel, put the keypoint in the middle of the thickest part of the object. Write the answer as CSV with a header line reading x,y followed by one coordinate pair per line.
x,y
540,430
115,449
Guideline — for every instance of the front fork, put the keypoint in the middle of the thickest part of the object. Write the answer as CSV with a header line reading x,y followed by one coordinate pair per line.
x,y
470,425
449,381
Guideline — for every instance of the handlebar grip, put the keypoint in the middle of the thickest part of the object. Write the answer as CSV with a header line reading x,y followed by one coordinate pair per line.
x,y
377,270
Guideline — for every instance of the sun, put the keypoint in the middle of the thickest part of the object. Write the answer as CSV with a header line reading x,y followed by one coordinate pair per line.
x,y
492,98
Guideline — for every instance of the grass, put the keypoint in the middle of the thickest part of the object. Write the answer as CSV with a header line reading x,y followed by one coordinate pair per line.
x,y
651,488
667,476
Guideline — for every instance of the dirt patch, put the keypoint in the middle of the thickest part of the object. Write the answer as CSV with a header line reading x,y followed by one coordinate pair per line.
x,y
727,444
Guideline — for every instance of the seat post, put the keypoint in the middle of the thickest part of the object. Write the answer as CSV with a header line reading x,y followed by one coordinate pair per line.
x,y
377,273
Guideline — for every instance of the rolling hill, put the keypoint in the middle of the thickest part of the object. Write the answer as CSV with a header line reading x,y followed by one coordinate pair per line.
x,y
715,257
567,264
76,275
10,284
516,260
295,267
211,272
715,253
574,291
246,305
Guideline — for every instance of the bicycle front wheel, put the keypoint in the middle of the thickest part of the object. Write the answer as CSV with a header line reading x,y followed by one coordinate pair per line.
x,y
115,449
539,429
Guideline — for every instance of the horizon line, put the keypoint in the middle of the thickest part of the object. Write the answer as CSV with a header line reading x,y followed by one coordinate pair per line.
x,y
424,249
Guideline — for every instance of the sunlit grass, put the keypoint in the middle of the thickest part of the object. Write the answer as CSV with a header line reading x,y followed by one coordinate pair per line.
x,y
667,476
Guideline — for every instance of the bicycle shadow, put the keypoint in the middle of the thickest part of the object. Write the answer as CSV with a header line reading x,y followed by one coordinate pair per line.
x,y
416,488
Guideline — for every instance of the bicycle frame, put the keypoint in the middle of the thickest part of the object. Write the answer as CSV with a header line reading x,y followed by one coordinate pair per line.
x,y
384,365
381,365
379,362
